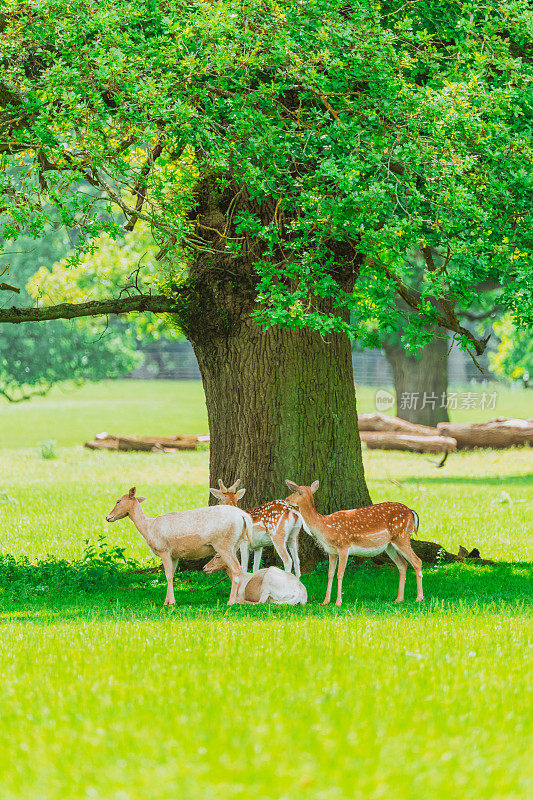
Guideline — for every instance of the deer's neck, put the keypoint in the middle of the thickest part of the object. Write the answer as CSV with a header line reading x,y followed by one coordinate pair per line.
x,y
140,520
316,524
311,516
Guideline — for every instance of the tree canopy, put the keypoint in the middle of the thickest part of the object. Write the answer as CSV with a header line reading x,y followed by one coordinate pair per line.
x,y
514,357
311,140
34,358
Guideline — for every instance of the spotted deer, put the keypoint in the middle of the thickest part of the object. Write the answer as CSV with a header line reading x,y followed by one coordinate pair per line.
x,y
274,523
189,535
385,527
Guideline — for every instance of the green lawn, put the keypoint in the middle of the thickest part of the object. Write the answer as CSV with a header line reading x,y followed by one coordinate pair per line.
x,y
104,694
71,416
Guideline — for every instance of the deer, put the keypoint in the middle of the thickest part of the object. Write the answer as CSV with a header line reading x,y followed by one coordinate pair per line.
x,y
384,527
275,523
189,535
271,585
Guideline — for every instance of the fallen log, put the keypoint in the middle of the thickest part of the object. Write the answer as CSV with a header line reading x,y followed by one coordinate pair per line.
x,y
416,444
382,423
496,433
154,444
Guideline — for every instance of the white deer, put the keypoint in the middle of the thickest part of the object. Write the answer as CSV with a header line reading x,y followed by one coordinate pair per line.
x,y
270,585
275,523
189,535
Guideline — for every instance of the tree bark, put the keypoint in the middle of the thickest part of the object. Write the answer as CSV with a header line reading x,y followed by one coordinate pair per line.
x,y
421,383
281,404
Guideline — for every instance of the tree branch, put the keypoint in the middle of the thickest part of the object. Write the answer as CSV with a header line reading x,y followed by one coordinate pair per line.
x,y
449,321
157,304
140,188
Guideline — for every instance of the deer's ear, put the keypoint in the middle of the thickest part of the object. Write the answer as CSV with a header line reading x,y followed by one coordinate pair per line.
x,y
131,492
293,486
141,499
314,486
216,493
240,494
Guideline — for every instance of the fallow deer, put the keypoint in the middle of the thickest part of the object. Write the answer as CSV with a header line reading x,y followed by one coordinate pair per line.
x,y
275,523
270,585
192,534
362,531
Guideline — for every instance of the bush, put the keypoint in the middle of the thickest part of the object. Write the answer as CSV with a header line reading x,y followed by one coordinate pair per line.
x,y
101,568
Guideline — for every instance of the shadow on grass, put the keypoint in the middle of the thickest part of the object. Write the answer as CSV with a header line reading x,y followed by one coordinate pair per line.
x,y
486,480
366,590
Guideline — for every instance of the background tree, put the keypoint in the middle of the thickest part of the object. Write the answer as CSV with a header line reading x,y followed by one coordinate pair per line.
x,y
421,375
286,158
513,359
35,357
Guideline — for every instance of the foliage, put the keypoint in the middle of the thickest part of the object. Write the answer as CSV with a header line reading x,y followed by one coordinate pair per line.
x,y
47,449
123,264
33,359
323,142
100,568
514,357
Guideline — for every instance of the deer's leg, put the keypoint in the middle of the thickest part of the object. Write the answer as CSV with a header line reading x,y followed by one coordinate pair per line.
x,y
264,597
343,560
292,546
169,566
333,558
409,554
234,570
257,559
278,540
244,549
401,563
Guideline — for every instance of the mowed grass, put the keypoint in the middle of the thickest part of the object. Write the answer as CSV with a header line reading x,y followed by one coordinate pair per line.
x,y
430,703
74,415
104,694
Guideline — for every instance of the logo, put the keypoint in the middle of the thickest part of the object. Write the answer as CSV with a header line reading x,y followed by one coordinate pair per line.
x,y
384,400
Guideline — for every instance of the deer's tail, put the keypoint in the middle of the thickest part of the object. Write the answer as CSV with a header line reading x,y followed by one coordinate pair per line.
x,y
248,527
416,519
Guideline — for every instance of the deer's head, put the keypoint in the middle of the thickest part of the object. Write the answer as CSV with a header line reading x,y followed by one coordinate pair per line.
x,y
301,495
215,565
229,496
124,506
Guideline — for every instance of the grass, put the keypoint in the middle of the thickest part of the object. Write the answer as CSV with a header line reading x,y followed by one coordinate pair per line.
x,y
72,416
104,694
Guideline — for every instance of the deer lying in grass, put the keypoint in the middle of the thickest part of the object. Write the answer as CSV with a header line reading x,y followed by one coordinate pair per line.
x,y
270,585
362,531
192,534
275,523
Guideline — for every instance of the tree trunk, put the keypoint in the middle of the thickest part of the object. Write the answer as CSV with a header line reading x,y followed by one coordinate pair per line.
x,y
421,383
281,404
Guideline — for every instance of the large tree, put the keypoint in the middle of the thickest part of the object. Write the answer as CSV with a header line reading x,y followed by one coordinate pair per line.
x,y
286,156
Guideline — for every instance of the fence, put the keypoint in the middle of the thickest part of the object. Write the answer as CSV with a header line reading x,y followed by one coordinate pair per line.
x,y
168,360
